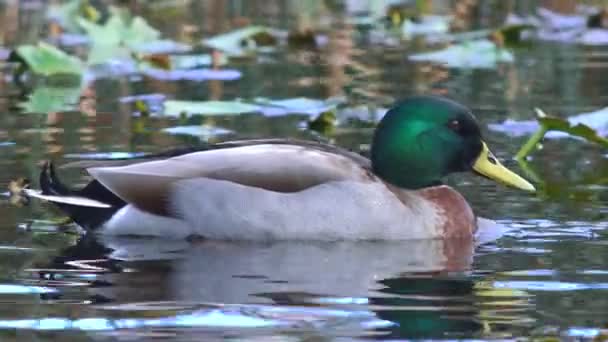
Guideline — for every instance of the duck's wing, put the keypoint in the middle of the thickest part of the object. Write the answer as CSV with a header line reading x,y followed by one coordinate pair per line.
x,y
276,165
174,152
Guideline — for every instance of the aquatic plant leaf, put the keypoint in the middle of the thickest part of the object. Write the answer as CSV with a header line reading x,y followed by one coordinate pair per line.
x,y
513,35
577,130
193,74
426,25
597,120
69,40
160,46
101,54
45,59
242,41
594,37
117,37
47,99
204,132
482,54
176,107
104,155
298,105
66,14
195,61
324,123
548,123
139,32
120,30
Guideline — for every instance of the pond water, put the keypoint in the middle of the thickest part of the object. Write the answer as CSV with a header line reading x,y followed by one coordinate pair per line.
x,y
547,276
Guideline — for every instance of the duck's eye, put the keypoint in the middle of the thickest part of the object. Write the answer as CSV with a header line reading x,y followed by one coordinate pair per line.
x,y
454,125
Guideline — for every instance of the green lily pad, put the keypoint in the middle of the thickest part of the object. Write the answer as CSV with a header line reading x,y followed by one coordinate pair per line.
x,y
120,29
176,108
242,41
117,36
47,99
45,59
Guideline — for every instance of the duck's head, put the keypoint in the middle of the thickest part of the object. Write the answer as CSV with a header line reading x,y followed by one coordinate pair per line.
x,y
424,138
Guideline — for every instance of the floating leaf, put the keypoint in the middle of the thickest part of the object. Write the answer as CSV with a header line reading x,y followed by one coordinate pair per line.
x,y
194,61
204,132
118,30
148,98
67,13
193,74
104,155
70,40
426,25
175,107
298,105
163,46
243,41
4,53
45,59
117,36
513,35
482,54
594,37
597,120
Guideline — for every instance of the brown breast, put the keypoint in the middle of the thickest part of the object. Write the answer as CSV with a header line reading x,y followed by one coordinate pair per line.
x,y
459,217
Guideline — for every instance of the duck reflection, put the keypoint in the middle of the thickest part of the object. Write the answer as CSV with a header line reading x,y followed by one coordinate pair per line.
x,y
417,288
428,307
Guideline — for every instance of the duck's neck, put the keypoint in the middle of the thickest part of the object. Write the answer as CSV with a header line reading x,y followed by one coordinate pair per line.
x,y
456,218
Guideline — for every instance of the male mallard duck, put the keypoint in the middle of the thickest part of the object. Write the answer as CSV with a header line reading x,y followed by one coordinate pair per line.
x,y
283,189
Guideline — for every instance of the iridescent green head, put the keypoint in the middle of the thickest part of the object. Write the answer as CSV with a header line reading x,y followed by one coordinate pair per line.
x,y
424,138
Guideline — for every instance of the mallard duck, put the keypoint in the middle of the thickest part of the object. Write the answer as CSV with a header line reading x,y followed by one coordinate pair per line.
x,y
286,189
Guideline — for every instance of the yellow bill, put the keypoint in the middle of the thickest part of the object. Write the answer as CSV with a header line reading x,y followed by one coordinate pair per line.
x,y
487,165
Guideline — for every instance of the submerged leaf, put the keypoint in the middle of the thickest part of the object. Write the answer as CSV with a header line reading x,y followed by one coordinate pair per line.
x,y
47,99
175,107
45,59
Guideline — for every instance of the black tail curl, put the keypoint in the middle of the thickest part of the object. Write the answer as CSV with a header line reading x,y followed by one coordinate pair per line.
x,y
87,217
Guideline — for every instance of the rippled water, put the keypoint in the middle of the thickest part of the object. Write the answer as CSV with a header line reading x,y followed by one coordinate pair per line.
x,y
547,276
